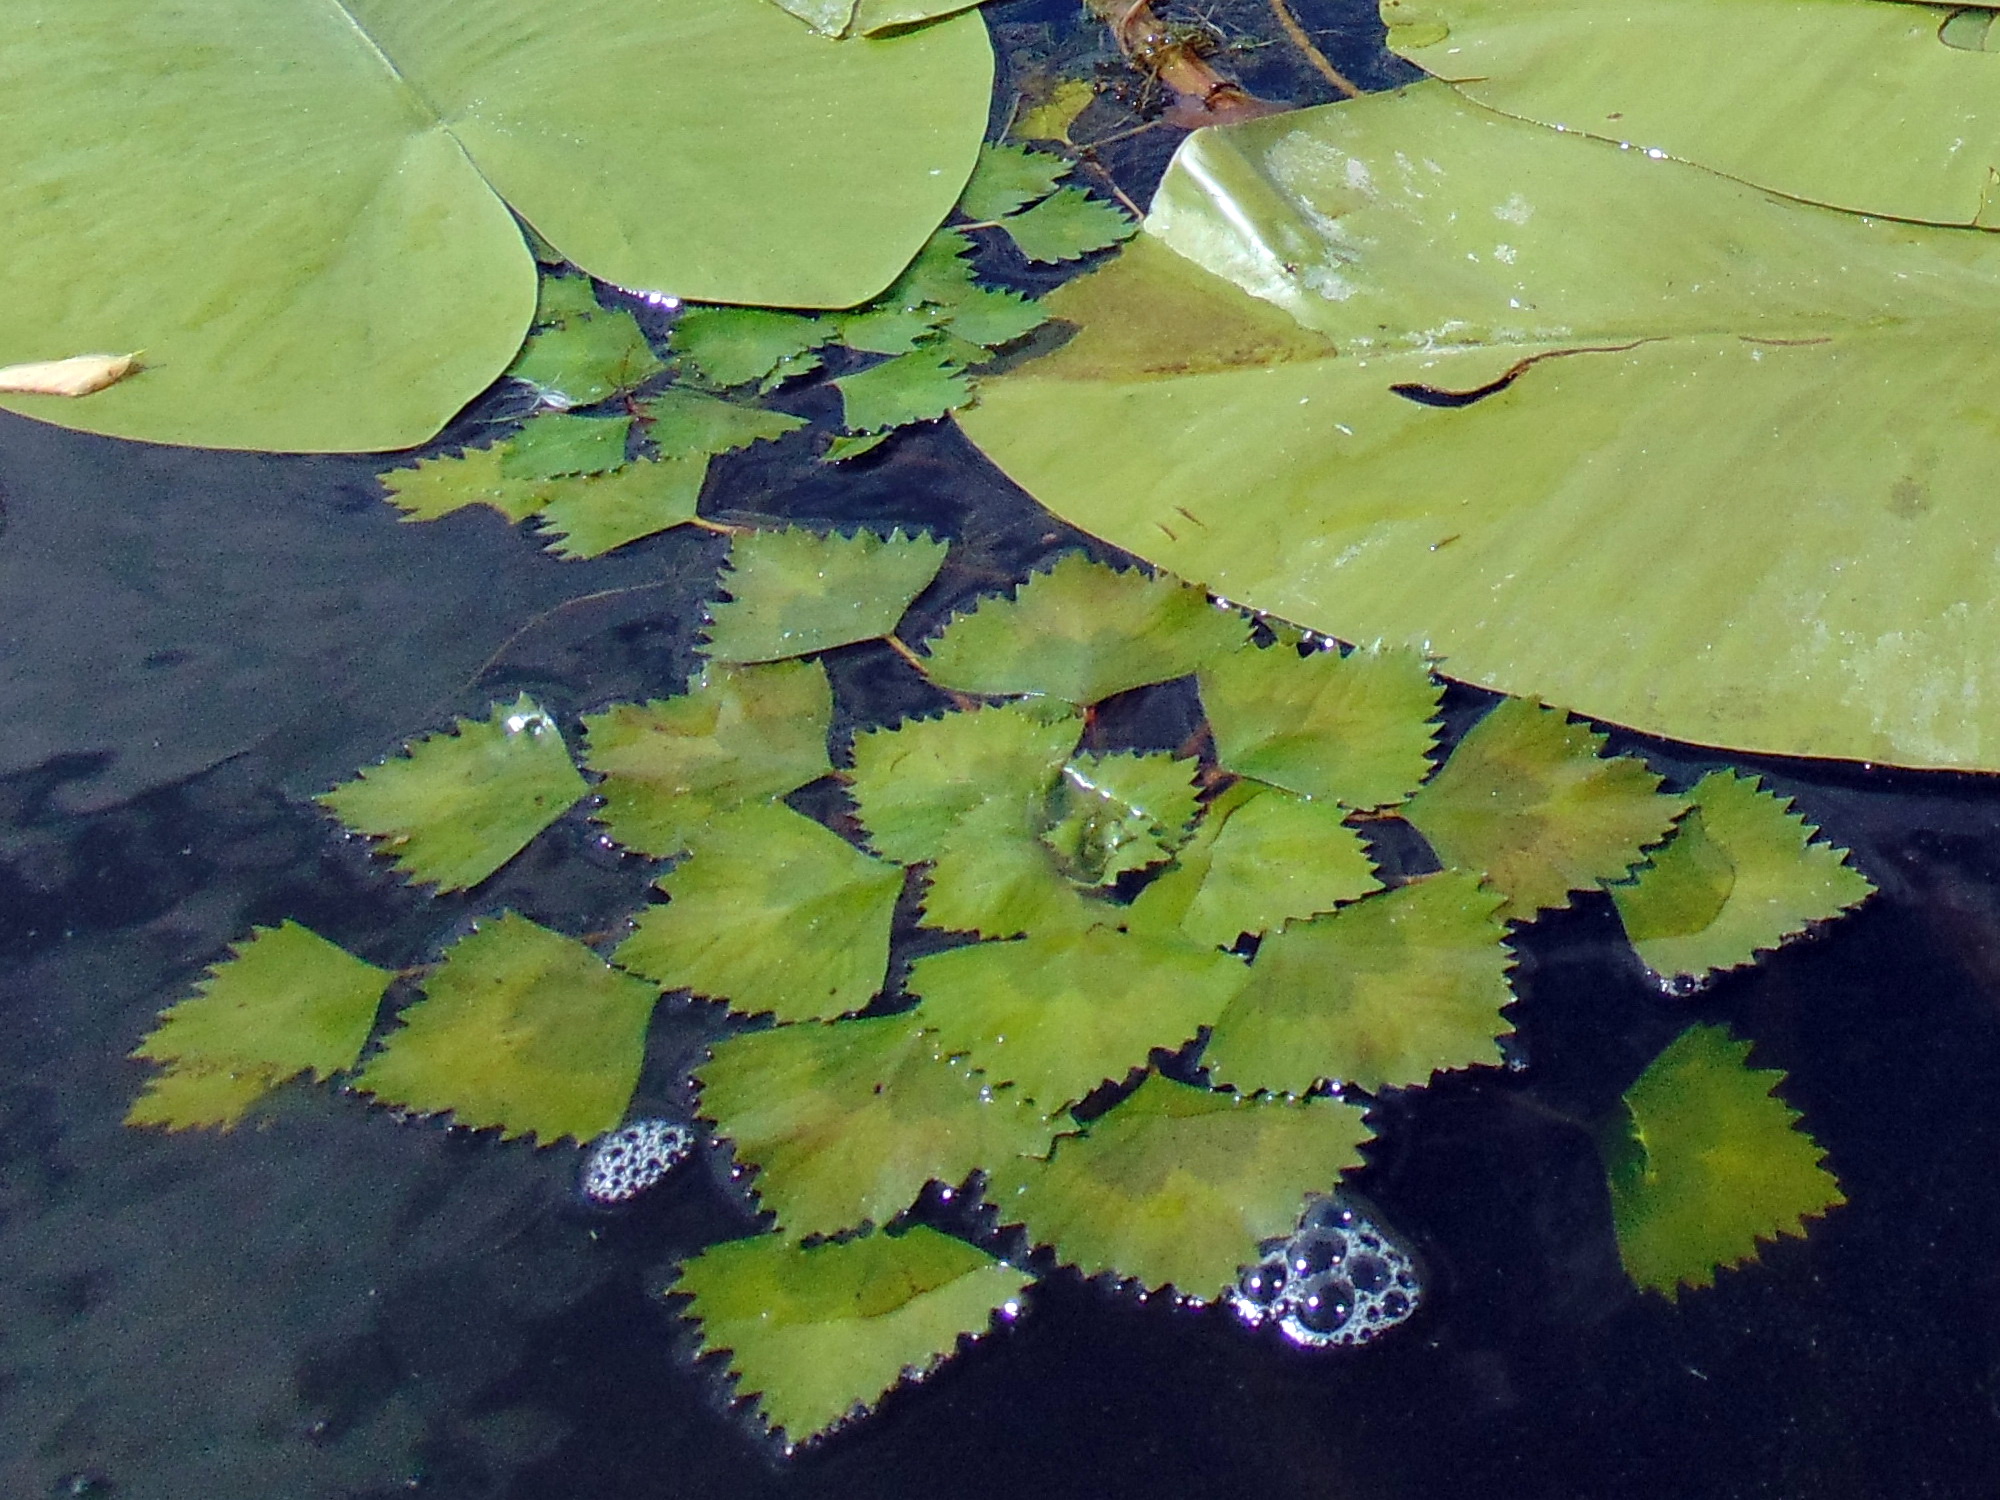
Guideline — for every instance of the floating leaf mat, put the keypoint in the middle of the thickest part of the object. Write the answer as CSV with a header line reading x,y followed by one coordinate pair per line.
x,y
1730,479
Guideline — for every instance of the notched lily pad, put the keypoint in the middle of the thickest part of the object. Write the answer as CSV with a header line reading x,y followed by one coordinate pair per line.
x,y
459,805
1178,1185
819,1335
794,592
1705,1161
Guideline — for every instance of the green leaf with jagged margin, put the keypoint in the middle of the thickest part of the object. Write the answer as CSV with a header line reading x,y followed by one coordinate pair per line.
x,y
588,515
687,423
1704,1161
1082,632
1058,1014
520,1029
1855,104
561,299
1742,873
1067,225
843,446
994,876
794,592
939,273
436,487
991,317
820,1334
1382,993
1527,801
554,444
1115,813
1010,177
917,782
195,1097
847,1122
738,735
877,329
585,358
771,912
913,387
1260,857
731,346
460,804
1176,1186
1356,728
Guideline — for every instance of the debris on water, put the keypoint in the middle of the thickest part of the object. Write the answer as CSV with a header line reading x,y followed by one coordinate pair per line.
x,y
1341,1278
627,1161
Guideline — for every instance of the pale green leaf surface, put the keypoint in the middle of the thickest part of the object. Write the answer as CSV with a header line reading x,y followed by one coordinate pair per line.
x,y
1067,225
1355,729
553,444
1116,813
771,912
522,1029
1853,103
739,735
687,423
1051,119
823,1332
436,487
827,17
1082,632
873,17
588,515
1384,992
847,1122
1527,801
1010,177
913,387
1705,1161
793,592
1059,1014
192,1097
1646,535
730,346
586,358
459,805
1741,874
300,218
1177,1185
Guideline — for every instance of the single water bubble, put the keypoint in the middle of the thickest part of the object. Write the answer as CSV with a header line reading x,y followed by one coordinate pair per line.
x,y
1313,1253
1369,1273
630,1159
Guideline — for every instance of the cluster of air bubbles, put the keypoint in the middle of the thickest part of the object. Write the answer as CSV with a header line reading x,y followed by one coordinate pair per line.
x,y
1342,1278
627,1161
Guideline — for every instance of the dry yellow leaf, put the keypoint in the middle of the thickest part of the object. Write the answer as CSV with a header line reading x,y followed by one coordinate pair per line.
x,y
77,376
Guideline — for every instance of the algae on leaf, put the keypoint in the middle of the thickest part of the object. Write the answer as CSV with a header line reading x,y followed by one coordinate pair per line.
x,y
522,1029
818,1335
459,805
795,592
1705,1161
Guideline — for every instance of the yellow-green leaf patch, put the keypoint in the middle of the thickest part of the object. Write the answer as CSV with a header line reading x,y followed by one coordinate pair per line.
x,y
819,1334
457,806
686,423
1527,801
588,515
197,1097
1384,992
435,487
1178,1185
771,912
1115,813
520,1029
794,592
848,1121
739,735
1704,1161
1741,874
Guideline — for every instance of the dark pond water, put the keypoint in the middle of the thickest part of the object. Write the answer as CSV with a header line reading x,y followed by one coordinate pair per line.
x,y
333,1304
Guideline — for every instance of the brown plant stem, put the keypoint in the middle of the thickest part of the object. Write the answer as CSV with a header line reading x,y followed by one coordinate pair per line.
x,y
1312,54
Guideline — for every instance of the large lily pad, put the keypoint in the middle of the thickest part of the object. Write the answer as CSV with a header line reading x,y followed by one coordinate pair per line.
x,y
300,212
1758,518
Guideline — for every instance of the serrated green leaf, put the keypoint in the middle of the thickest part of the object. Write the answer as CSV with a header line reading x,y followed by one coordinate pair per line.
x,y
1177,1185
1008,177
458,805
886,330
847,1122
991,317
913,387
588,515
556,443
522,1029
197,1098
1382,993
1116,813
436,487
1260,858
687,423
794,592
586,358
1357,729
1527,801
771,912
821,1333
993,875
1059,1014
1082,632
730,346
1741,874
561,299
843,446
738,735
938,276
1066,225
1704,1161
